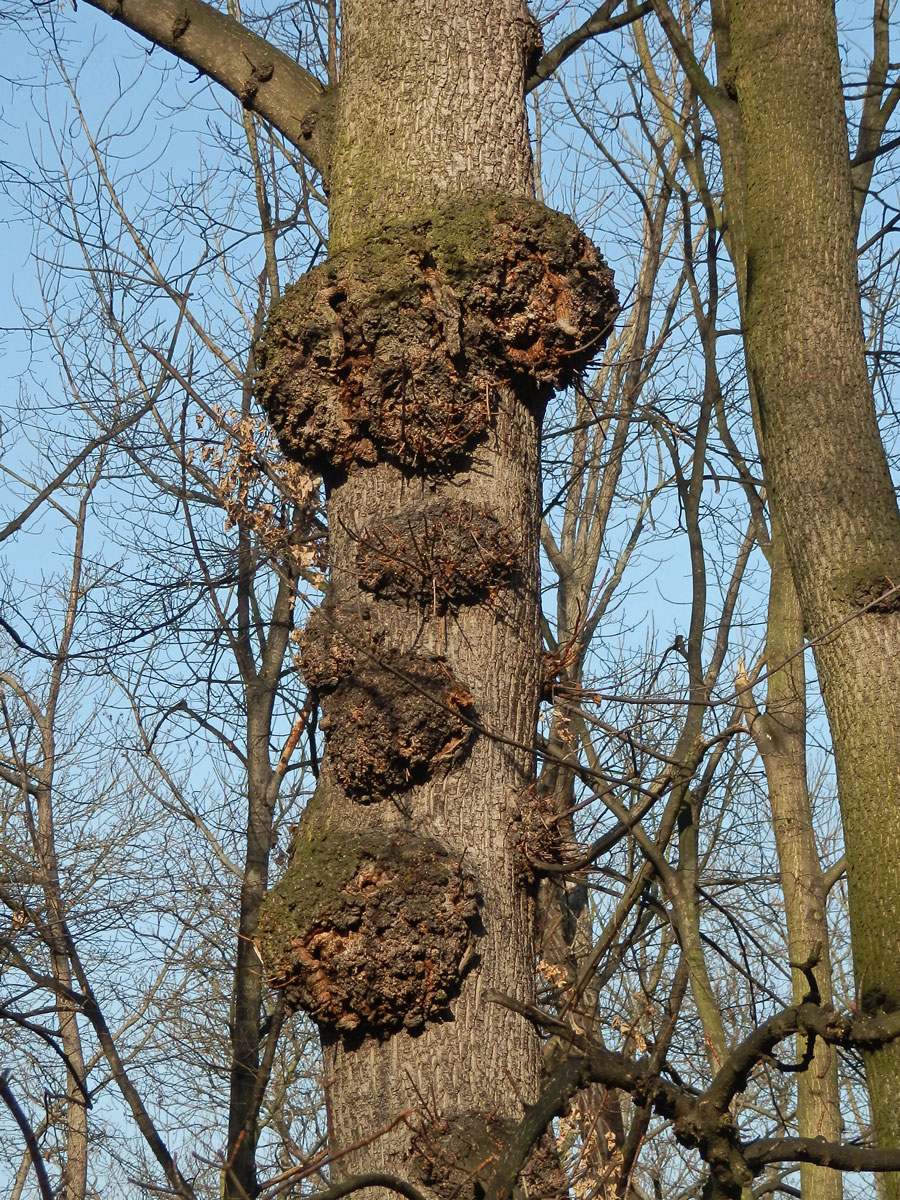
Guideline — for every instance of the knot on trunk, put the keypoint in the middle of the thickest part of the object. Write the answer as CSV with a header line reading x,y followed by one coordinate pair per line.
x,y
440,557
390,720
394,725
391,350
369,932
334,640
539,835
454,1157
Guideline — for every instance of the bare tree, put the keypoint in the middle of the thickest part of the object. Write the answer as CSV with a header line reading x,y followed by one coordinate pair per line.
x,y
412,370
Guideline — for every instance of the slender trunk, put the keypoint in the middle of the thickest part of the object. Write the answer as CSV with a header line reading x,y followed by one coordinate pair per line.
x,y
247,997
249,1072
565,933
411,370
824,460
780,736
73,1184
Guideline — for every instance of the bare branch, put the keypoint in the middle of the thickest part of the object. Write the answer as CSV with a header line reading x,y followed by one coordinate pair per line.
x,y
372,1179
601,22
263,78
30,1140
713,97
824,1154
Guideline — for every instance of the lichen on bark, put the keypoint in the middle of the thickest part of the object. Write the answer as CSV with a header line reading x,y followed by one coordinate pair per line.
x,y
391,350
369,932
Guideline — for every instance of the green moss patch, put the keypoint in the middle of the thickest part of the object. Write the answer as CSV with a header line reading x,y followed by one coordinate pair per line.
x,y
368,932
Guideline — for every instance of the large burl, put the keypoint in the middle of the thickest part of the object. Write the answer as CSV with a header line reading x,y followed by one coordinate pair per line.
x,y
455,1156
369,932
392,349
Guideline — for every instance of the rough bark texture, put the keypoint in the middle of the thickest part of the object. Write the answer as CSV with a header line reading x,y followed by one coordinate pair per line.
x,y
448,1155
824,459
411,370
391,719
393,350
370,931
431,106
441,557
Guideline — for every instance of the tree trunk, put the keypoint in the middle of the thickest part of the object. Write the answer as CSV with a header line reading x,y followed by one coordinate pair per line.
x,y
247,1002
73,1183
411,369
780,736
824,460
780,733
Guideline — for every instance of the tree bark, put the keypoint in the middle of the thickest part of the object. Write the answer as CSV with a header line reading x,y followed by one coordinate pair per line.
x,y
780,736
411,370
824,460
780,732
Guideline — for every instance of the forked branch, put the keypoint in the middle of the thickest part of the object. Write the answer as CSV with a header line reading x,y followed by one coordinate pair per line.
x,y
703,1121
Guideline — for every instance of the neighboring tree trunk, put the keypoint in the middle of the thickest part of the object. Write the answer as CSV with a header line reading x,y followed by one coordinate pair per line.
x,y
248,1080
824,460
780,736
261,680
411,369
780,733
73,1182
